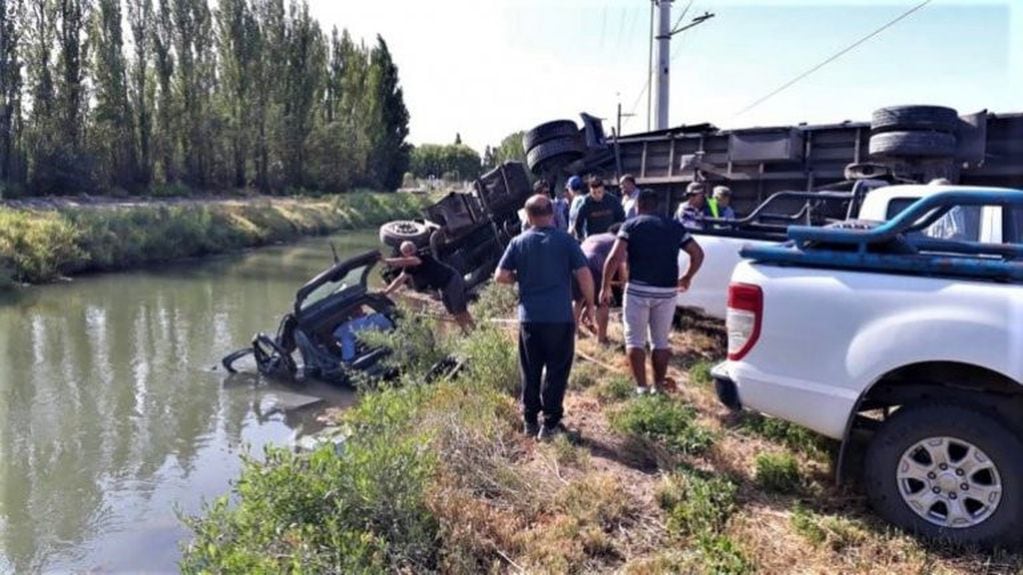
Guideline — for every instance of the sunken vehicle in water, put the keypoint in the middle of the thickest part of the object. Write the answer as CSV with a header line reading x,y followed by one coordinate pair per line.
x,y
779,176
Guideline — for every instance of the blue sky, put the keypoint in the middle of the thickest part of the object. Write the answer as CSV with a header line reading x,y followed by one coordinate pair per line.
x,y
485,68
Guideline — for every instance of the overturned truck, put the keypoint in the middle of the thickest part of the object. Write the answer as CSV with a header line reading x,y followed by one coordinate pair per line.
x,y
902,144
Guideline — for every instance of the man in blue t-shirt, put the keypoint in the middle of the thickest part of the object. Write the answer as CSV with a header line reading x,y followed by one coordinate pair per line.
x,y
650,244
543,260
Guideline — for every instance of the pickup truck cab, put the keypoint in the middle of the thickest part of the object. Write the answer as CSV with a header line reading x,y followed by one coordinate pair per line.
x,y
910,338
721,245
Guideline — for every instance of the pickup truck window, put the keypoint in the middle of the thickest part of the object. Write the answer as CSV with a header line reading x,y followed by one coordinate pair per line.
x,y
1013,232
961,223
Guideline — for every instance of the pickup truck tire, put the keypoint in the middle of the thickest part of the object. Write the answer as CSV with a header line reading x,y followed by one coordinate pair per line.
x,y
948,472
553,153
547,132
913,144
903,118
392,234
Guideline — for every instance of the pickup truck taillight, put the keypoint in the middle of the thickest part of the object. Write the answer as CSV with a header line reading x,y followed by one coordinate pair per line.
x,y
745,312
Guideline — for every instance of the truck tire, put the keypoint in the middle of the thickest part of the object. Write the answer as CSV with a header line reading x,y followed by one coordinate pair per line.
x,y
547,132
392,234
552,153
903,118
913,144
948,472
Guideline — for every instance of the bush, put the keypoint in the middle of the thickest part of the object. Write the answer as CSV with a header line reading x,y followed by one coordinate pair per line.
x,y
662,419
490,355
496,301
696,504
719,555
777,472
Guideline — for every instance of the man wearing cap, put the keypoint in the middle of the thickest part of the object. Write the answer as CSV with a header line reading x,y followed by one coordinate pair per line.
x,y
690,212
598,211
543,262
575,183
630,193
650,244
563,203
718,206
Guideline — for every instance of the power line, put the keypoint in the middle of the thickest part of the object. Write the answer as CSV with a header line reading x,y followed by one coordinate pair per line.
x,y
682,15
832,58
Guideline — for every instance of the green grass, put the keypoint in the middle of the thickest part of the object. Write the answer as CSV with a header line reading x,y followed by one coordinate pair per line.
x,y
664,420
615,388
696,503
778,473
788,434
699,373
837,533
38,246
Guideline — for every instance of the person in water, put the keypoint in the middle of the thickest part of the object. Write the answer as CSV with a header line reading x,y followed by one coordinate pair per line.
x,y
426,271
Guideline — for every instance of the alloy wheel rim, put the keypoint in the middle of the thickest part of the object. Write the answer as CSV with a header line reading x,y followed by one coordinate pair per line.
x,y
949,482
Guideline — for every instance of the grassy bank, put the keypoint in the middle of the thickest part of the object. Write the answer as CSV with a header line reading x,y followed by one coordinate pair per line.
x,y
41,245
437,478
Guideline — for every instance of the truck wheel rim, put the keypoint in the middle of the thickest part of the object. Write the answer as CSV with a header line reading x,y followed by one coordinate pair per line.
x,y
949,482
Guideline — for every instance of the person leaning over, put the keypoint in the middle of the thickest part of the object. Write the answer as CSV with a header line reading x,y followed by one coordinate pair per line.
x,y
425,270
597,248
543,261
650,244
598,211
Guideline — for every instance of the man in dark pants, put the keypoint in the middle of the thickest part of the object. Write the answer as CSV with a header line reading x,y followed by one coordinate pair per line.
x,y
543,260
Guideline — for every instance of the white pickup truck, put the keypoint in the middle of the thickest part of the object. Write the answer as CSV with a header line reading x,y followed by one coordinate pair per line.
x,y
708,292
914,342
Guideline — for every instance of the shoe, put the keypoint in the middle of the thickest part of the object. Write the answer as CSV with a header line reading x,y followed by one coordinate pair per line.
x,y
531,428
548,433
643,390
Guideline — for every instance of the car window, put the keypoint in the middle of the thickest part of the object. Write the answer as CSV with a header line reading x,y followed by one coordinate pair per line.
x,y
961,223
352,281
1014,219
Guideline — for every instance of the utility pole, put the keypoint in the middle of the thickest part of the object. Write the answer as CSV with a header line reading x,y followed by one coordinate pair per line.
x,y
661,81
618,133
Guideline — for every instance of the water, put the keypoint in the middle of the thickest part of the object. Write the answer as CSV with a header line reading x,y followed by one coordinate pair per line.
x,y
112,415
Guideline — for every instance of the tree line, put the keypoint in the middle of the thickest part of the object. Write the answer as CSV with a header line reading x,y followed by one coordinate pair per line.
x,y
97,95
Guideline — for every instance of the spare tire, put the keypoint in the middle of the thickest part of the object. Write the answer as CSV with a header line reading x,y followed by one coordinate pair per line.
x,y
394,233
554,152
547,132
904,118
913,144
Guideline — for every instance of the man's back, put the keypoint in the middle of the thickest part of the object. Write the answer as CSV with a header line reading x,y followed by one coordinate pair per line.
x,y
543,260
653,245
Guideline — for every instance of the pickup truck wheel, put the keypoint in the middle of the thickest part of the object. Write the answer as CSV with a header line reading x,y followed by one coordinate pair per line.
x,y
948,472
394,233
913,144
554,153
899,118
547,132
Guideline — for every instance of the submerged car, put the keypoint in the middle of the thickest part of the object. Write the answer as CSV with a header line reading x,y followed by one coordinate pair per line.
x,y
329,312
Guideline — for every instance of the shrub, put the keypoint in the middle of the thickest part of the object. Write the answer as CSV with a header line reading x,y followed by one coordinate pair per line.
x,y
584,375
719,555
696,504
496,301
777,472
662,419
491,356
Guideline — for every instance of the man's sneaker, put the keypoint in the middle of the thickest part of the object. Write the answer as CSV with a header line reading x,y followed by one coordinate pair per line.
x,y
531,428
642,390
549,433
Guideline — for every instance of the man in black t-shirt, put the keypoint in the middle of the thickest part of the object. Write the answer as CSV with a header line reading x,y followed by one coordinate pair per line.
x,y
650,244
426,271
598,212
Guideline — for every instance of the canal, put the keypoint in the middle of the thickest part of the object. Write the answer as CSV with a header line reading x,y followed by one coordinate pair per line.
x,y
114,416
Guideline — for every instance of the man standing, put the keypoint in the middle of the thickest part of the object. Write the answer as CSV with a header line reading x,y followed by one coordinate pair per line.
x,y
597,248
630,193
426,271
575,185
690,212
598,211
563,203
650,244
543,261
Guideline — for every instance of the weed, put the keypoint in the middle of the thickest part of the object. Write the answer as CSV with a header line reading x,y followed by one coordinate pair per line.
x,y
496,301
490,356
719,555
565,453
614,388
778,472
699,373
696,504
585,375
837,533
665,420
598,499
789,434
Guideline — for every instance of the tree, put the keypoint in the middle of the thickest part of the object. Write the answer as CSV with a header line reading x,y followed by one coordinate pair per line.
x,y
305,56
11,16
114,138
238,45
141,92
510,150
458,138
390,156
163,40
454,161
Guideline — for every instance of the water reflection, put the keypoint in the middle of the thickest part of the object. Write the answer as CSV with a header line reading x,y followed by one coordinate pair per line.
x,y
111,413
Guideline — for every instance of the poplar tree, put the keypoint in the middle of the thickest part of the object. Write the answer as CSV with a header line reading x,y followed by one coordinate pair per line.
x,y
114,135
390,151
140,20
11,20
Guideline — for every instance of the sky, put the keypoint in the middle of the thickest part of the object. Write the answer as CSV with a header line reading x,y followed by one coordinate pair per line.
x,y
487,68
